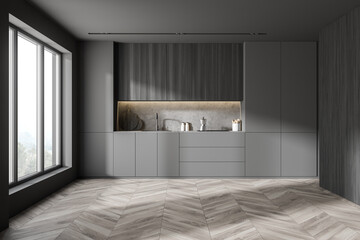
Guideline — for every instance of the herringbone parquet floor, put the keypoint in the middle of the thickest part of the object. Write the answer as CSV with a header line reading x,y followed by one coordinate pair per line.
x,y
189,209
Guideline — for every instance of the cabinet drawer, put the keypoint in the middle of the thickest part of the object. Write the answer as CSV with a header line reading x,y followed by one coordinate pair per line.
x,y
212,169
212,154
212,139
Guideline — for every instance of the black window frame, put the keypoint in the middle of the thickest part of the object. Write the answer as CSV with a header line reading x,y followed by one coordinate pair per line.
x,y
43,45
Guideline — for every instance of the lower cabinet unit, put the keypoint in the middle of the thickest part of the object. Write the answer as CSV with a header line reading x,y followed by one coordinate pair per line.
x,y
97,155
263,154
124,154
220,154
298,155
168,154
146,154
212,154
212,169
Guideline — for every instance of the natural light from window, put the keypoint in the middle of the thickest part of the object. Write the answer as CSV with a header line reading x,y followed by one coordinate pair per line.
x,y
34,107
27,73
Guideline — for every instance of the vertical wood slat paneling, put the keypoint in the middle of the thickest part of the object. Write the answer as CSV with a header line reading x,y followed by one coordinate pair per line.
x,y
180,71
142,70
339,103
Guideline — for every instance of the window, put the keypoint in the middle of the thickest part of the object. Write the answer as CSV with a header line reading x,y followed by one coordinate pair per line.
x,y
35,97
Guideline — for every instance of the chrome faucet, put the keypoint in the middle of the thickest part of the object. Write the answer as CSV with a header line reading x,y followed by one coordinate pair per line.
x,y
157,122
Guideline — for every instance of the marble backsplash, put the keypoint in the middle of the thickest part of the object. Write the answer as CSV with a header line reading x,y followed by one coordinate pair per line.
x,y
219,115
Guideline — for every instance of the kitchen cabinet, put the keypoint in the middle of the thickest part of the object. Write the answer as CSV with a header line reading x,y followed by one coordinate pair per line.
x,y
124,154
212,169
146,154
298,86
181,73
212,139
262,86
142,71
97,77
168,154
96,155
263,154
174,71
212,154
219,71
298,155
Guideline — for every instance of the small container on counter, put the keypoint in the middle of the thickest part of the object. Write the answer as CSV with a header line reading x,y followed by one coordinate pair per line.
x,y
236,125
185,127
182,128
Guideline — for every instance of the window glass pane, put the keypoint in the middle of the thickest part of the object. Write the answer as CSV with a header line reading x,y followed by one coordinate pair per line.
x,y
58,110
27,85
51,78
11,105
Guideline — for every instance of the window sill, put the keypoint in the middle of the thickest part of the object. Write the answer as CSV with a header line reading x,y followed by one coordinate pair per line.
x,y
37,180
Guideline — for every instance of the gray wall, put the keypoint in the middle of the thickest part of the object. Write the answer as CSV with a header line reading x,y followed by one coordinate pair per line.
x,y
44,24
339,106
4,136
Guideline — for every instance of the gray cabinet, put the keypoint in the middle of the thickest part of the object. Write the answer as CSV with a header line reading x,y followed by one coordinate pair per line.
x,y
124,154
213,154
168,154
97,155
263,154
212,139
96,72
262,86
179,71
212,169
298,155
298,86
146,154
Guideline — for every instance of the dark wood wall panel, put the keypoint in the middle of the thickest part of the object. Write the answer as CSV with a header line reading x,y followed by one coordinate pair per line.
x,y
142,67
179,71
339,106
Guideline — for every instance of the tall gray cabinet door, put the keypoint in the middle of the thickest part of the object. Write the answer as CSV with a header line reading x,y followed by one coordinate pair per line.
x,y
97,155
298,86
124,154
146,154
262,154
96,71
168,154
262,86
298,155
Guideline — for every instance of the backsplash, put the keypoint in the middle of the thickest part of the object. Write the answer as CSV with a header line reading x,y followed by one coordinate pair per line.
x,y
218,114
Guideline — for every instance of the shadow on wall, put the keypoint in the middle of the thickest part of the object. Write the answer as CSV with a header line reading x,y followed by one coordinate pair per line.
x,y
272,119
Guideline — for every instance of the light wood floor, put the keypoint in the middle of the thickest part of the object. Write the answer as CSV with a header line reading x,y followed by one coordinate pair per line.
x,y
189,209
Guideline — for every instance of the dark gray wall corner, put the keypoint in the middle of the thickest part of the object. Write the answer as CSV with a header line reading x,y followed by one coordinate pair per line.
x,y
4,147
32,16
339,106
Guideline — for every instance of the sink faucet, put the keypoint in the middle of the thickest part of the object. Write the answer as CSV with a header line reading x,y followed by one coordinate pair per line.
x,y
157,122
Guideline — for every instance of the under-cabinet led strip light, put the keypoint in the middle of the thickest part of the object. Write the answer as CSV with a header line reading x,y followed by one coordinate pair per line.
x,y
178,33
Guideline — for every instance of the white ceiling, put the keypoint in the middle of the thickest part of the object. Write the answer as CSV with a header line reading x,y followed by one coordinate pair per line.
x,y
285,20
